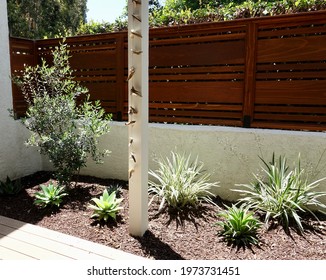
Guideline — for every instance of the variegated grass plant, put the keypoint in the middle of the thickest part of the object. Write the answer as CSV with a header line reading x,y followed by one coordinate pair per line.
x,y
283,193
239,226
180,182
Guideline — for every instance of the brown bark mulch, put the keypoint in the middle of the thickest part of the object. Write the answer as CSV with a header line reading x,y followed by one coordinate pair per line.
x,y
188,235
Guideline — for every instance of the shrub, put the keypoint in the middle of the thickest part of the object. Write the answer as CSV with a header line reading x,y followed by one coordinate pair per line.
x,y
230,10
93,27
10,187
283,193
63,131
180,183
51,195
240,226
106,206
210,11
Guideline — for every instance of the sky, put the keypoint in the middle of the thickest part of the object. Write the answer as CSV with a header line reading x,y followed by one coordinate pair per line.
x,y
105,10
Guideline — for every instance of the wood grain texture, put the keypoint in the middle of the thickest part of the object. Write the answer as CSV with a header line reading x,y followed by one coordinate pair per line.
x,y
272,69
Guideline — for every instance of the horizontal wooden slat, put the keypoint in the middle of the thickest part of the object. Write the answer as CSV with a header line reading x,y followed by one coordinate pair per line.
x,y
196,30
223,92
197,77
101,90
197,39
183,120
291,20
195,114
291,75
21,48
18,60
292,49
94,72
93,47
197,54
95,59
102,78
222,68
295,31
291,92
291,109
290,117
292,66
21,45
198,106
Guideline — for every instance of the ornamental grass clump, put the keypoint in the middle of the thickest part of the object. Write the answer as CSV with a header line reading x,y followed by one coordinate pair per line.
x,y
179,183
283,193
240,226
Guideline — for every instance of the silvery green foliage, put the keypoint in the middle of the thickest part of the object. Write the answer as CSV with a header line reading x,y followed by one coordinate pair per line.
x,y
282,194
180,182
68,134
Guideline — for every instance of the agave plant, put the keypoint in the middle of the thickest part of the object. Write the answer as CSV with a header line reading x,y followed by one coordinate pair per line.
x,y
10,187
179,183
108,205
240,226
283,193
51,195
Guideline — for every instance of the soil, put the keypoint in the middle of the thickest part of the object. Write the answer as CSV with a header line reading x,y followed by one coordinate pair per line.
x,y
174,236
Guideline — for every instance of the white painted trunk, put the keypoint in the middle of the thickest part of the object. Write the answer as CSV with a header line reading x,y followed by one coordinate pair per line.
x,y
138,115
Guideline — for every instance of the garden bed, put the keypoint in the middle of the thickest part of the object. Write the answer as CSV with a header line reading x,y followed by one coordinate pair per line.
x,y
191,235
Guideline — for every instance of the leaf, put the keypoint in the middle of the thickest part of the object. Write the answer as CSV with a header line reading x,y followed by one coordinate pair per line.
x,y
297,220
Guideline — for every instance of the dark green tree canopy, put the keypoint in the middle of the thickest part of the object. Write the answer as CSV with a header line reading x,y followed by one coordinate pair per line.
x,y
37,19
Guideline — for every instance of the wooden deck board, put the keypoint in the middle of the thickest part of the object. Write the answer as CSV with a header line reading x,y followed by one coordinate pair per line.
x,y
29,249
19,240
10,254
42,242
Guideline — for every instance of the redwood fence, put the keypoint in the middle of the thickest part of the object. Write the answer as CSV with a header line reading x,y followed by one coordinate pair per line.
x,y
262,73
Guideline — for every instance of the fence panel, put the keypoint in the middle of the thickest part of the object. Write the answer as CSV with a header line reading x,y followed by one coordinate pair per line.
x,y
263,72
22,53
196,77
291,74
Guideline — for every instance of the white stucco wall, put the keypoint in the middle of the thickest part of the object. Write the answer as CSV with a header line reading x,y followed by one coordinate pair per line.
x,y
15,159
230,155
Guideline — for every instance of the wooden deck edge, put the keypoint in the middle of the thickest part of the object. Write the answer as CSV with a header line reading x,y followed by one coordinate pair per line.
x,y
74,242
